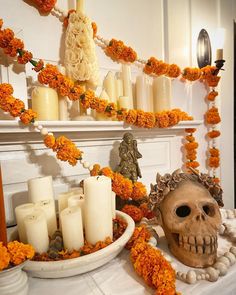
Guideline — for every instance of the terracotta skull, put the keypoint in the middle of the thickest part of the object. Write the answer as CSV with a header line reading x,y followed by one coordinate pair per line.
x,y
190,218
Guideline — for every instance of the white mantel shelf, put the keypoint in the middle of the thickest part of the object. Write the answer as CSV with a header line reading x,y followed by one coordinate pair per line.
x,y
7,126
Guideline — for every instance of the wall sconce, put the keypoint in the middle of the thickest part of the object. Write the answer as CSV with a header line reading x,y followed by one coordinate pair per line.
x,y
219,43
203,49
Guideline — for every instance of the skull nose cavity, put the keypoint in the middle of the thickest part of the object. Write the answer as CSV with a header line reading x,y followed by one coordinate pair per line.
x,y
200,217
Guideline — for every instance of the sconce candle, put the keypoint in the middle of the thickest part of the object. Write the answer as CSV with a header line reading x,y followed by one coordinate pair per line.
x,y
219,54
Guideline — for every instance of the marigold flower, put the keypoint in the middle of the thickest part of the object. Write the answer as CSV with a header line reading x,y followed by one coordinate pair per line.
x,y
45,6
75,92
156,67
14,45
19,252
162,120
107,172
49,141
212,116
111,109
122,114
212,81
4,257
133,211
192,164
213,133
6,103
208,71
17,108
190,138
39,66
28,116
25,58
100,105
122,186
139,191
191,145
214,162
65,86
173,71
140,233
191,74
96,169
214,152
5,90
117,50
6,36
173,118
131,117
1,23
47,74
190,130
216,180
149,214
212,95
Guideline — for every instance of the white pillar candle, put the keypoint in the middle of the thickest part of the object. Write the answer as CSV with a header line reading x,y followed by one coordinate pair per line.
x,y
219,54
119,87
150,97
40,189
48,207
113,204
72,228
21,212
101,116
77,200
45,103
109,86
125,102
127,82
62,100
142,102
37,231
63,200
76,190
80,6
97,208
162,94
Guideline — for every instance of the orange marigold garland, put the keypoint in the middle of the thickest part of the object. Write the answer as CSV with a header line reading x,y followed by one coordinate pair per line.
x,y
191,149
117,50
45,6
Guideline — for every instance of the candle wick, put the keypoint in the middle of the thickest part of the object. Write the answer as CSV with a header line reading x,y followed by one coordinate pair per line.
x,y
97,177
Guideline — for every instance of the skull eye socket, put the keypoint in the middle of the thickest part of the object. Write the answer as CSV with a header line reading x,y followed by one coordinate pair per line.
x,y
209,210
183,211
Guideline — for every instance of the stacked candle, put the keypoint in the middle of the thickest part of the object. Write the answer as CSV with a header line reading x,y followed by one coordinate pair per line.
x,y
162,94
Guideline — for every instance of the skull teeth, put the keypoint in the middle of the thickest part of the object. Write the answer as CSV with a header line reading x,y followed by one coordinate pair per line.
x,y
198,244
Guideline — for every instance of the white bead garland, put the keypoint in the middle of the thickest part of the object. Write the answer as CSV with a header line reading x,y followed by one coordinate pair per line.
x,y
44,131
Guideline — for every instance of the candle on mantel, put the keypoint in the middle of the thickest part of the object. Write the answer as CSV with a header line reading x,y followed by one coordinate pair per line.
x,y
162,94
109,86
127,82
142,102
3,227
21,212
72,228
77,200
80,6
45,103
48,207
97,208
76,190
125,102
150,96
40,189
118,87
37,231
62,101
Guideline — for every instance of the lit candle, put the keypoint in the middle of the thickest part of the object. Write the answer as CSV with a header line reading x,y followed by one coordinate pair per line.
x,y
21,212
48,207
37,231
142,102
72,228
113,204
77,200
162,94
127,82
40,189
109,86
45,103
97,208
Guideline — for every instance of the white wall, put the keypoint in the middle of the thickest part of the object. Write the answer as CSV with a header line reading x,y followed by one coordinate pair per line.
x,y
166,29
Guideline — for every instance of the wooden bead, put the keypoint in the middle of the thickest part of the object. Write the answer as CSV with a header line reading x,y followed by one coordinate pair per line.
x,y
86,165
90,167
36,124
221,267
174,265
44,131
183,276
231,257
40,127
224,260
191,277
82,162
233,250
213,274
199,277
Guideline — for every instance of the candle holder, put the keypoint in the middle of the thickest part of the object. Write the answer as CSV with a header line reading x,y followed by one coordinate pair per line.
x,y
219,64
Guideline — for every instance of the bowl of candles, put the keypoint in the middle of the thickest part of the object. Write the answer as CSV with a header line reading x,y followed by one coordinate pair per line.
x,y
88,257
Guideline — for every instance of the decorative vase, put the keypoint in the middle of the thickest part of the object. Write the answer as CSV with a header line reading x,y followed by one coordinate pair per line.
x,y
14,281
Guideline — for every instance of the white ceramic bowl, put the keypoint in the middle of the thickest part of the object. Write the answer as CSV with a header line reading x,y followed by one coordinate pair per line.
x,y
75,266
